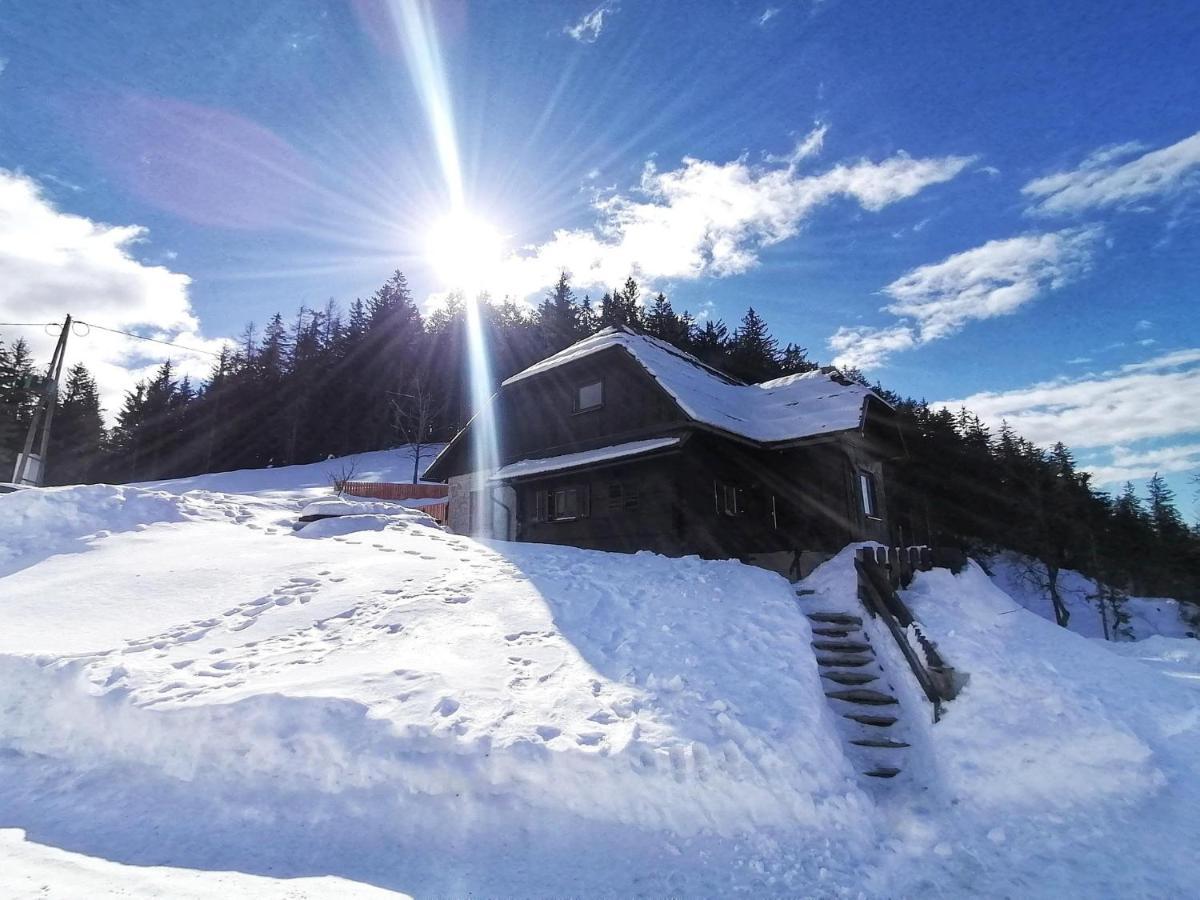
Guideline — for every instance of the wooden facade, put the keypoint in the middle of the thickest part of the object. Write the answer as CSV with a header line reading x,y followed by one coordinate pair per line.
x,y
712,493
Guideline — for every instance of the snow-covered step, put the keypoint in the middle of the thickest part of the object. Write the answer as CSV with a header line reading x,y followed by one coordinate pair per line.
x,y
863,696
842,646
835,618
882,772
850,678
847,662
880,743
877,721
840,632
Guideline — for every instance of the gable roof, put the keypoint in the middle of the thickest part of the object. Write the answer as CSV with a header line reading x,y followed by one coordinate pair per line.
x,y
783,409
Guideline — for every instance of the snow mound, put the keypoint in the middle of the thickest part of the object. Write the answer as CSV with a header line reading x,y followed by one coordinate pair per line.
x,y
42,522
352,506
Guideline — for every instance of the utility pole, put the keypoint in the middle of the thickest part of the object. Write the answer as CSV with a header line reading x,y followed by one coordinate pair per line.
x,y
46,405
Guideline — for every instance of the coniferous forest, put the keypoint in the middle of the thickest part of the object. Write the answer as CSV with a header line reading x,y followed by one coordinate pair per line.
x,y
336,381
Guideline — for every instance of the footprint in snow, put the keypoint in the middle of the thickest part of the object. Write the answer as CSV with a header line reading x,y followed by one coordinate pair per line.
x,y
548,732
447,706
458,598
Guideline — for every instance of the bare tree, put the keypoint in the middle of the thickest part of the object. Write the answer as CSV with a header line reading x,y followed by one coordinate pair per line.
x,y
416,410
340,477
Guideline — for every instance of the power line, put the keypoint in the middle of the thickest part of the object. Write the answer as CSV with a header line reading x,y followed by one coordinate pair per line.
x,y
112,330
150,339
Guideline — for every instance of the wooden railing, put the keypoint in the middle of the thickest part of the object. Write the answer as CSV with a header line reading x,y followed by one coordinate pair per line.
x,y
881,570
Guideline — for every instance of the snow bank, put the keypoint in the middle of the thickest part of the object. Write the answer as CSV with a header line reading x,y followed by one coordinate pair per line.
x,y
41,523
1056,747
379,465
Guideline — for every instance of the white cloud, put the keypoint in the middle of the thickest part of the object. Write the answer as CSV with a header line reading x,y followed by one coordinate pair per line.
x,y
711,219
767,15
588,29
1128,465
937,300
3,64
1154,400
53,263
1102,180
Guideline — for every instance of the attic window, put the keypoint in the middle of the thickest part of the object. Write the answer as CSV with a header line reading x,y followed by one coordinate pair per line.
x,y
589,396
870,502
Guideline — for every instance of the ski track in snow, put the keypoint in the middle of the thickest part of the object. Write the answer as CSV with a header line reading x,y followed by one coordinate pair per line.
x,y
190,685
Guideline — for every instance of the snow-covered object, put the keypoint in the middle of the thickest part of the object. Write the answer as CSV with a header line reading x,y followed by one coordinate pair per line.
x,y
356,506
783,409
583,458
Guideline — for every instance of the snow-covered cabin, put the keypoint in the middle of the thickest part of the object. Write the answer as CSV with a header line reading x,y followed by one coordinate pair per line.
x,y
624,442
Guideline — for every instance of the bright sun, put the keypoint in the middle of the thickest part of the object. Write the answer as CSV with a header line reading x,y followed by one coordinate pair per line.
x,y
464,250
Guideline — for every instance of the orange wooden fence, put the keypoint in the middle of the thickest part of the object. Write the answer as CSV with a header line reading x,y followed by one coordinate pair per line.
x,y
390,490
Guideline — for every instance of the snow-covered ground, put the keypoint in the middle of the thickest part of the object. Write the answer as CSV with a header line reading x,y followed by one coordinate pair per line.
x,y
198,700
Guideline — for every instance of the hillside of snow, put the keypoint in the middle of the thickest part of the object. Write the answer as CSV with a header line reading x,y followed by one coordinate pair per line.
x,y
1024,579
198,699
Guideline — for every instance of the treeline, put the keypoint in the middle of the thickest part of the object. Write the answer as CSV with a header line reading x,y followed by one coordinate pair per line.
x,y
378,374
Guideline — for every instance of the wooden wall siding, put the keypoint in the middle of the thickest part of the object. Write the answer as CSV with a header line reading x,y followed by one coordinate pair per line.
x,y
538,417
652,525
815,492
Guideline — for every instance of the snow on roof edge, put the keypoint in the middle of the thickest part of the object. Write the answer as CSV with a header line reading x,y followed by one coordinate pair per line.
x,y
525,467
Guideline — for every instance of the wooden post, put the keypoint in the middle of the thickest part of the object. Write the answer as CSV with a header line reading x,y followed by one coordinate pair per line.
x,y
46,404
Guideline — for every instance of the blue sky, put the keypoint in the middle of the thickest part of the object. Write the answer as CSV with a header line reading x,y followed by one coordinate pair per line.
x,y
997,202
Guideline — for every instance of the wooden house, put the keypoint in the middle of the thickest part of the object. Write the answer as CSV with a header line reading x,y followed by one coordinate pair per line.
x,y
623,442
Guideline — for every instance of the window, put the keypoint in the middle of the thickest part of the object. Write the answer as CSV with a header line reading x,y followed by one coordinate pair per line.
x,y
562,504
589,396
729,499
622,496
870,502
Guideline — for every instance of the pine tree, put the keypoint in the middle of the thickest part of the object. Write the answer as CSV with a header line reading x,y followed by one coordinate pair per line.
x,y
558,317
753,352
78,437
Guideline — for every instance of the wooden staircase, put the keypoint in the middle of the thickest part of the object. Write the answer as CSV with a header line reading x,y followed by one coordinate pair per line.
x,y
859,692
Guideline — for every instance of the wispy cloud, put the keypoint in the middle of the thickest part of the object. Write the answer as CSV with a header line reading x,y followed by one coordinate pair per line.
x,y
1109,177
937,300
767,15
1129,465
712,219
55,262
587,30
1153,400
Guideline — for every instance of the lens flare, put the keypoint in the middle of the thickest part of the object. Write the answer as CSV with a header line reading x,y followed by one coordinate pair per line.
x,y
464,251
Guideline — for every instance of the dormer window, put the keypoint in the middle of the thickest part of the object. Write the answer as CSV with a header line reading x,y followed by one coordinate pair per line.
x,y
589,396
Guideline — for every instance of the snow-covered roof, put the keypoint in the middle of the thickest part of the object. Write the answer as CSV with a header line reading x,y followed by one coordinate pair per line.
x,y
583,458
783,409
